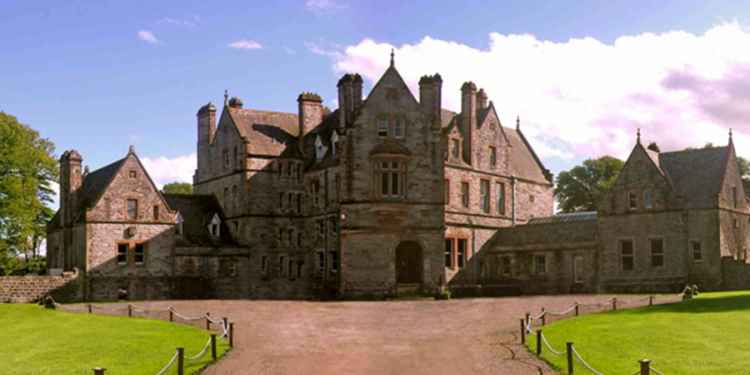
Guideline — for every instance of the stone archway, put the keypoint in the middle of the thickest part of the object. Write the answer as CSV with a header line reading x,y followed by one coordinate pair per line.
x,y
408,263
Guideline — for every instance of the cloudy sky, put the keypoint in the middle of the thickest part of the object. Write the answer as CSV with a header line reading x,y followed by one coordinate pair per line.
x,y
583,76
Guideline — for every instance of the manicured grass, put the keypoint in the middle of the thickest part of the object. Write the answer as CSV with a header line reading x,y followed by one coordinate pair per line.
x,y
34,340
707,335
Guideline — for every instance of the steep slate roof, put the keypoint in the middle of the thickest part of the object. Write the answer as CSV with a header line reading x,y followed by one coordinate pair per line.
x,y
696,174
564,218
196,212
269,133
96,182
524,162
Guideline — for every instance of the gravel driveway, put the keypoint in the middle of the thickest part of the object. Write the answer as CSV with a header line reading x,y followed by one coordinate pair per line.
x,y
460,336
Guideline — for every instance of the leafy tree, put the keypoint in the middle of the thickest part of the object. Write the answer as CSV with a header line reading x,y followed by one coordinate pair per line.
x,y
653,147
583,187
177,188
744,171
27,172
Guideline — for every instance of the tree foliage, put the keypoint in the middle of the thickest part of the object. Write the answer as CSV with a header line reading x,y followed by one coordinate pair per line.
x,y
744,171
28,170
583,187
177,188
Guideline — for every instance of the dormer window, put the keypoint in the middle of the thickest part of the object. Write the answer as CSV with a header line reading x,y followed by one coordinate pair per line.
x,y
455,148
320,149
215,226
132,174
391,126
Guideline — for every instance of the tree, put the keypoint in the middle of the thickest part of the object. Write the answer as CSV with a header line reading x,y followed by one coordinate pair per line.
x,y
653,147
177,188
584,186
743,168
27,172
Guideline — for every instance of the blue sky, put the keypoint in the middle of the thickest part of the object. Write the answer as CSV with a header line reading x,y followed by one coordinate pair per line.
x,y
100,75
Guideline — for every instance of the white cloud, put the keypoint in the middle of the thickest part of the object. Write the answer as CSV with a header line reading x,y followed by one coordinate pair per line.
x,y
148,37
164,170
188,22
583,97
320,49
324,6
245,44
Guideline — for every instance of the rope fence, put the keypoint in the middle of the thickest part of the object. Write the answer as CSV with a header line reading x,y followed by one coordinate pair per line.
x,y
226,330
531,322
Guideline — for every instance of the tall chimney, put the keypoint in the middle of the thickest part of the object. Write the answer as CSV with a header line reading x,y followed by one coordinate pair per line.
x,y
468,116
481,99
346,99
70,181
430,98
310,114
206,130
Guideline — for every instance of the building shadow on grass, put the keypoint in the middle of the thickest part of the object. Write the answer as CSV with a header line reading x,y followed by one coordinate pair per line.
x,y
701,305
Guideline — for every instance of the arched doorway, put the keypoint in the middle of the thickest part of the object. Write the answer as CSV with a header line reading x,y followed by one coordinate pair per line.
x,y
408,263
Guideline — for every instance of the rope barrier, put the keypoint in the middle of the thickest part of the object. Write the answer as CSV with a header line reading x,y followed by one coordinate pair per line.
x,y
584,363
564,312
168,366
217,321
183,317
551,349
202,352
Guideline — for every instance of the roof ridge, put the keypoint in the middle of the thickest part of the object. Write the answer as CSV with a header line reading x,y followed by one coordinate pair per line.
x,y
714,148
263,111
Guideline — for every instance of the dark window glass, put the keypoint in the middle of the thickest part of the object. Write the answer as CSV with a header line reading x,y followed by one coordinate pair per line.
x,y
122,253
500,196
465,194
449,252
626,253
657,252
484,192
461,252
139,255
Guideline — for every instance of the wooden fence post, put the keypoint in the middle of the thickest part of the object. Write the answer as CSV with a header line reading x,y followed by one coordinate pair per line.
x,y
614,304
99,371
544,317
180,361
130,311
645,366
523,332
231,335
213,346
650,300
90,308
576,308
171,315
528,317
569,350
208,321
539,342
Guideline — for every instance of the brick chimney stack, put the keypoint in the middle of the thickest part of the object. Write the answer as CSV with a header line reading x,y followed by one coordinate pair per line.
x,y
350,97
430,98
310,113
468,116
71,179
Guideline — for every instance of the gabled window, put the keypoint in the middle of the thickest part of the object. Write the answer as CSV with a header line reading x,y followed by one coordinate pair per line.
x,y
657,252
132,174
156,212
695,247
493,156
132,207
627,255
390,175
647,200
455,148
465,194
215,226
500,197
484,193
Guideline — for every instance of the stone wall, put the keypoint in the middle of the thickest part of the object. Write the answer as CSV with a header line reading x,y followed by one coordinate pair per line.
x,y
736,274
26,289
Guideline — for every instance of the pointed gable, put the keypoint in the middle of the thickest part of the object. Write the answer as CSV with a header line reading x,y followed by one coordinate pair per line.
x,y
696,174
391,87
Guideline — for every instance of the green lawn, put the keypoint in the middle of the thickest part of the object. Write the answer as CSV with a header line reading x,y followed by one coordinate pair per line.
x,y
706,335
38,341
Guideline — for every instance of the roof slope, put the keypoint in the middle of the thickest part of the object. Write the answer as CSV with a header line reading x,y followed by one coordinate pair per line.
x,y
696,174
269,133
524,162
196,212
96,182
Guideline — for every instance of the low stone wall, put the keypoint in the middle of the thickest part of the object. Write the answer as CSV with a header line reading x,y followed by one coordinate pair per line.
x,y
735,274
27,289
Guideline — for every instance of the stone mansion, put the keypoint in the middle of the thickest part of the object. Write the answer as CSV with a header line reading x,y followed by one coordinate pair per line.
x,y
389,194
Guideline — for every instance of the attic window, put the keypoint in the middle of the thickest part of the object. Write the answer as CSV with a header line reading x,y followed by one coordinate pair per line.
x,y
455,148
632,201
493,156
214,227
132,174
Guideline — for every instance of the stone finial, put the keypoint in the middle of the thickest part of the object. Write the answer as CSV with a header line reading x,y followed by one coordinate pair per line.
x,y
730,135
393,59
226,97
638,136
131,149
518,122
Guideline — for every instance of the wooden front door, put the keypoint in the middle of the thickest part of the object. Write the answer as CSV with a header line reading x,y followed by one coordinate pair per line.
x,y
408,263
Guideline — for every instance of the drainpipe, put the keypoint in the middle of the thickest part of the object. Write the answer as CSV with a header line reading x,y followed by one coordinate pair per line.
x,y
513,200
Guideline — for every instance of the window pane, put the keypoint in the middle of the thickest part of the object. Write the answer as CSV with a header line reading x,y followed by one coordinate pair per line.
x,y
140,254
122,253
500,198
394,184
449,252
132,209
384,183
461,252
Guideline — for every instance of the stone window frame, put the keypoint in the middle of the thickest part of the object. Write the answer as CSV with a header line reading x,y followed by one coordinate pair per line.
x,y
321,261
691,248
391,125
653,256
535,264
290,268
214,226
500,198
131,216
485,195
648,199
156,212
264,265
466,195
130,253
225,158
300,266
390,166
621,256
333,256
578,274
